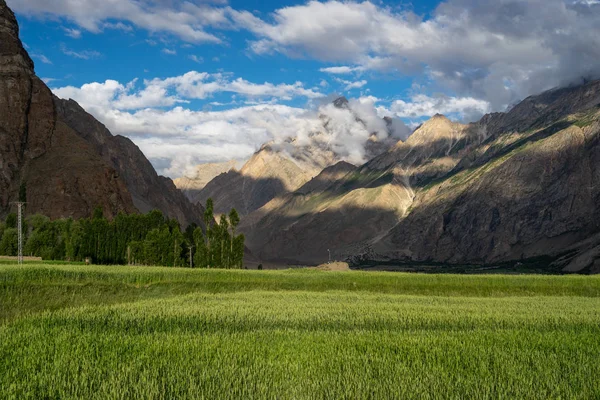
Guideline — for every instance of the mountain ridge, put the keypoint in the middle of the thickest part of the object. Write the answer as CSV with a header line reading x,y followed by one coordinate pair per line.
x,y
448,180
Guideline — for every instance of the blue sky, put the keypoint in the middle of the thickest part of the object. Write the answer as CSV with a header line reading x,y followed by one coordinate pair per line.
x,y
194,81
126,54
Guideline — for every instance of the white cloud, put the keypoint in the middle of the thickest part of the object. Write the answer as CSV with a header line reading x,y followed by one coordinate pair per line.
x,y
178,138
179,89
169,52
465,108
180,18
342,70
196,59
354,85
83,54
117,26
42,58
498,51
73,33
200,85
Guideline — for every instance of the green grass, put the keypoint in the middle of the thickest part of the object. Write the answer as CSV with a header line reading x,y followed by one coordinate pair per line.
x,y
130,332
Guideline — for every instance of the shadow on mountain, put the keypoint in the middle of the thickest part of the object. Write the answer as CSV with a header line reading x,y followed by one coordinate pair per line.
x,y
542,202
495,153
306,239
245,194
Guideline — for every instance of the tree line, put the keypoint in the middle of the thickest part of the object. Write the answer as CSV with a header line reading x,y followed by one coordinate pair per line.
x,y
133,239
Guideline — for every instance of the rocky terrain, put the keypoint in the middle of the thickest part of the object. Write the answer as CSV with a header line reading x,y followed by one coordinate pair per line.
x,y
68,162
513,187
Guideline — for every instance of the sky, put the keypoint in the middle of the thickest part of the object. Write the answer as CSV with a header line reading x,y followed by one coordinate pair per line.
x,y
200,81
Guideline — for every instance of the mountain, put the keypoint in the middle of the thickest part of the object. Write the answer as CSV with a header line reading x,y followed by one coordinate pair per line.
x,y
512,187
280,168
69,162
202,175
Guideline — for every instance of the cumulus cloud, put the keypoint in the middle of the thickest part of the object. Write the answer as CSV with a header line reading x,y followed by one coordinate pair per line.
x,y
498,51
466,108
177,138
353,85
342,70
183,19
170,91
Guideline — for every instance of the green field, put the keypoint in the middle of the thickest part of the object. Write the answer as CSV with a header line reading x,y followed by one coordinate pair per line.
x,y
161,333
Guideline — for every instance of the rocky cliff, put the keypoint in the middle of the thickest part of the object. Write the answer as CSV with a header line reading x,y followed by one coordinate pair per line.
x,y
68,161
515,186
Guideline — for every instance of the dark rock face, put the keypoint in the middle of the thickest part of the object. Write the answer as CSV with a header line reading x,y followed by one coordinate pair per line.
x,y
69,162
148,190
63,175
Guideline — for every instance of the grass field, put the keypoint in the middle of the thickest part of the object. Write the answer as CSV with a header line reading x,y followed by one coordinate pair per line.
x,y
160,333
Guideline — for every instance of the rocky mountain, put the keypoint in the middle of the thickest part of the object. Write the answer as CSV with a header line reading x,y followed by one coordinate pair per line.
x,y
512,187
68,162
280,168
202,175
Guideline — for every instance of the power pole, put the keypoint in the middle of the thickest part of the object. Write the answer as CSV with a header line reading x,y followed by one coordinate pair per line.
x,y
20,205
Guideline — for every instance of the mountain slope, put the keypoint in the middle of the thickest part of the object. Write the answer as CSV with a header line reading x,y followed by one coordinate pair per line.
x,y
513,186
68,161
203,174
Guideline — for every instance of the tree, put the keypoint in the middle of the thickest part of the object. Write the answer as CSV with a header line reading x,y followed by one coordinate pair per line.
x,y
224,242
208,221
234,220
201,256
238,251
9,242
11,220
98,213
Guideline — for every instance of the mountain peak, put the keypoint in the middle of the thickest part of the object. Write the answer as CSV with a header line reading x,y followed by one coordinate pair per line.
x,y
436,128
341,102
439,116
13,57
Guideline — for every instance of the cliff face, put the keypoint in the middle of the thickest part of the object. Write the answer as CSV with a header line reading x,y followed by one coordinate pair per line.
x,y
514,186
63,174
68,161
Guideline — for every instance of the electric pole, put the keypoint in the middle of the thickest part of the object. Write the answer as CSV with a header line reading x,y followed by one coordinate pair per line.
x,y
20,205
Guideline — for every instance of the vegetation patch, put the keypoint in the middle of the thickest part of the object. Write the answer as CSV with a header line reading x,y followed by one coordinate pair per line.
x,y
140,332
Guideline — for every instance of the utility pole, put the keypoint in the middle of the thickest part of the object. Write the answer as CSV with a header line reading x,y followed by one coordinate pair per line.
x,y
20,205
329,256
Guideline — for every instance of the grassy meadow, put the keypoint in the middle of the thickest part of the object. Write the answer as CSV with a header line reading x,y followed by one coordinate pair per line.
x,y
97,332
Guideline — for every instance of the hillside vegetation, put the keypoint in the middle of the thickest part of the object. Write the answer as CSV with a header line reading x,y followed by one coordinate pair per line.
x,y
139,332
